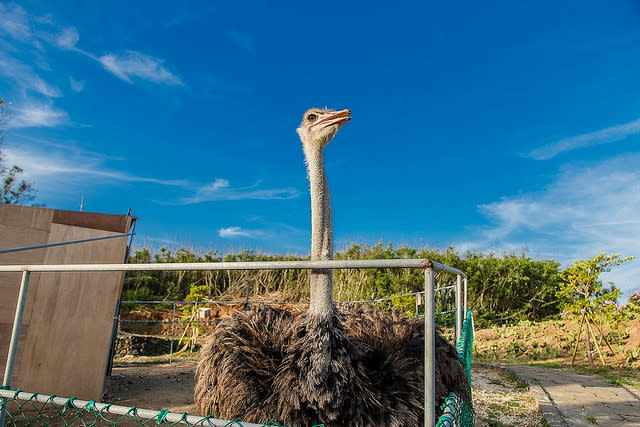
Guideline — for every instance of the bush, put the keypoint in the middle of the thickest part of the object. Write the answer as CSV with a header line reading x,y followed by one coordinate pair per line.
x,y
140,294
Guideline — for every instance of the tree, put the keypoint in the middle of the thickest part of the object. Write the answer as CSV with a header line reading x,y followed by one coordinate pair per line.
x,y
13,189
585,296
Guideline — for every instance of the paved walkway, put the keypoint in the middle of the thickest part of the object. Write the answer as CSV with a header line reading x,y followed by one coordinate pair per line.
x,y
573,399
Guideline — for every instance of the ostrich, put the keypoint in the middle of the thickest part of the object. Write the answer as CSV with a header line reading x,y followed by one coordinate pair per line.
x,y
356,367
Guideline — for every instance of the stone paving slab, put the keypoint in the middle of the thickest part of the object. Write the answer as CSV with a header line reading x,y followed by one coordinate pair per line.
x,y
569,398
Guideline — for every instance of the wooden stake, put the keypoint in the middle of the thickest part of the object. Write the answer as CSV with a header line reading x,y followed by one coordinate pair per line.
x,y
607,343
595,341
575,349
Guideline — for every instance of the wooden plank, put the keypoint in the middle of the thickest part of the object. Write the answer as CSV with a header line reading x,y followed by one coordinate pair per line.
x,y
67,323
66,349
28,217
5,333
106,222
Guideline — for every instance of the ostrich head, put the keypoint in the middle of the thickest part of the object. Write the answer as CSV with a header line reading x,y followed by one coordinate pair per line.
x,y
319,126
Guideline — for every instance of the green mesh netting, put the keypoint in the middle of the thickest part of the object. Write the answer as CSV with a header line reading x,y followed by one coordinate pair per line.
x,y
25,409
33,409
456,412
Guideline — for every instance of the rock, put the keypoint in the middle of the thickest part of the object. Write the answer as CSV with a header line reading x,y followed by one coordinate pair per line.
x,y
142,345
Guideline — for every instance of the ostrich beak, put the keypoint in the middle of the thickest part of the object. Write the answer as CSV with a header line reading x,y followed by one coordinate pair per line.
x,y
339,118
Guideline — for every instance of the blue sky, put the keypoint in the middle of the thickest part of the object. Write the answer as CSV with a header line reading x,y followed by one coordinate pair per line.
x,y
496,126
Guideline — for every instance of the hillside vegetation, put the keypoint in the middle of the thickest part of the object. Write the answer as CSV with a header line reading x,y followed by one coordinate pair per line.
x,y
502,289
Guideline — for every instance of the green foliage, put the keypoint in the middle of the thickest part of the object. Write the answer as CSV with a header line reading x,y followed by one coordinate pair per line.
x,y
633,307
13,189
582,291
502,289
139,294
197,293
405,305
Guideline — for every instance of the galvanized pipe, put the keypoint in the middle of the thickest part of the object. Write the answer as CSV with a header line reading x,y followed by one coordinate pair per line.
x,y
458,307
173,325
441,267
15,335
265,265
465,297
146,414
429,349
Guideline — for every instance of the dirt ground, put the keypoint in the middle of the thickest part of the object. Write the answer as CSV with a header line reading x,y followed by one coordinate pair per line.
x,y
170,386
501,399
153,386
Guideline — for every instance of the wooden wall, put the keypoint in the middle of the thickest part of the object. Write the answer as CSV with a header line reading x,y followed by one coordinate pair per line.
x,y
68,319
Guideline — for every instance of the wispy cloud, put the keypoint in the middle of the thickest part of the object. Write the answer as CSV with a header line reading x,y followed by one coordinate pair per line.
x,y
234,232
35,31
76,85
14,21
25,77
221,189
38,115
243,40
55,168
138,65
603,136
585,211
58,167
67,38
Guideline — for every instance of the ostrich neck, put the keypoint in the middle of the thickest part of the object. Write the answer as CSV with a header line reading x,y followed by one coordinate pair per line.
x,y
321,283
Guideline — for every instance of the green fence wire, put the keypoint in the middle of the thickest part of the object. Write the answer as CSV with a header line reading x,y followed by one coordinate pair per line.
x,y
26,409
456,412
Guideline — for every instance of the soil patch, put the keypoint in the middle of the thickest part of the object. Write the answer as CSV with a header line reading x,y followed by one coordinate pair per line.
x,y
501,399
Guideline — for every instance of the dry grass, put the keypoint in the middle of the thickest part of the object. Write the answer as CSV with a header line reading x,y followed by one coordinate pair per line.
x,y
501,399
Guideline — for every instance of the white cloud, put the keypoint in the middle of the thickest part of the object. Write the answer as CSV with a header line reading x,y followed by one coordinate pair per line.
x,y
584,211
67,39
34,30
138,65
14,21
76,85
25,77
56,168
603,136
38,115
232,232
220,189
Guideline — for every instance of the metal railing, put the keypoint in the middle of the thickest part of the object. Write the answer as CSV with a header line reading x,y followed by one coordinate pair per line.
x,y
429,266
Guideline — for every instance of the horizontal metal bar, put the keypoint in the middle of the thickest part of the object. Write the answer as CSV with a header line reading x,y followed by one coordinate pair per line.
x,y
441,267
70,242
145,414
168,321
263,265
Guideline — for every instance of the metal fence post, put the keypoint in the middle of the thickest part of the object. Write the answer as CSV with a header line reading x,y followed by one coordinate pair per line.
x,y
429,349
173,317
465,297
458,307
15,335
246,300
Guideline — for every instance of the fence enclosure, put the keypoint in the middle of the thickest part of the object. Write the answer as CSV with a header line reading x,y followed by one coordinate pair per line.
x,y
430,269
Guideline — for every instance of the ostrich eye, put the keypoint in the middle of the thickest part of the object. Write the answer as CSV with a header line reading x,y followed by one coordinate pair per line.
x,y
312,117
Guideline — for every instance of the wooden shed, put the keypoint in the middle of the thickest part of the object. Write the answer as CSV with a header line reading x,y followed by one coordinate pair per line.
x,y
68,319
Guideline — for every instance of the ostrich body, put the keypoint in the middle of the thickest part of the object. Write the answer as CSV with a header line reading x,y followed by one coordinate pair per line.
x,y
359,367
